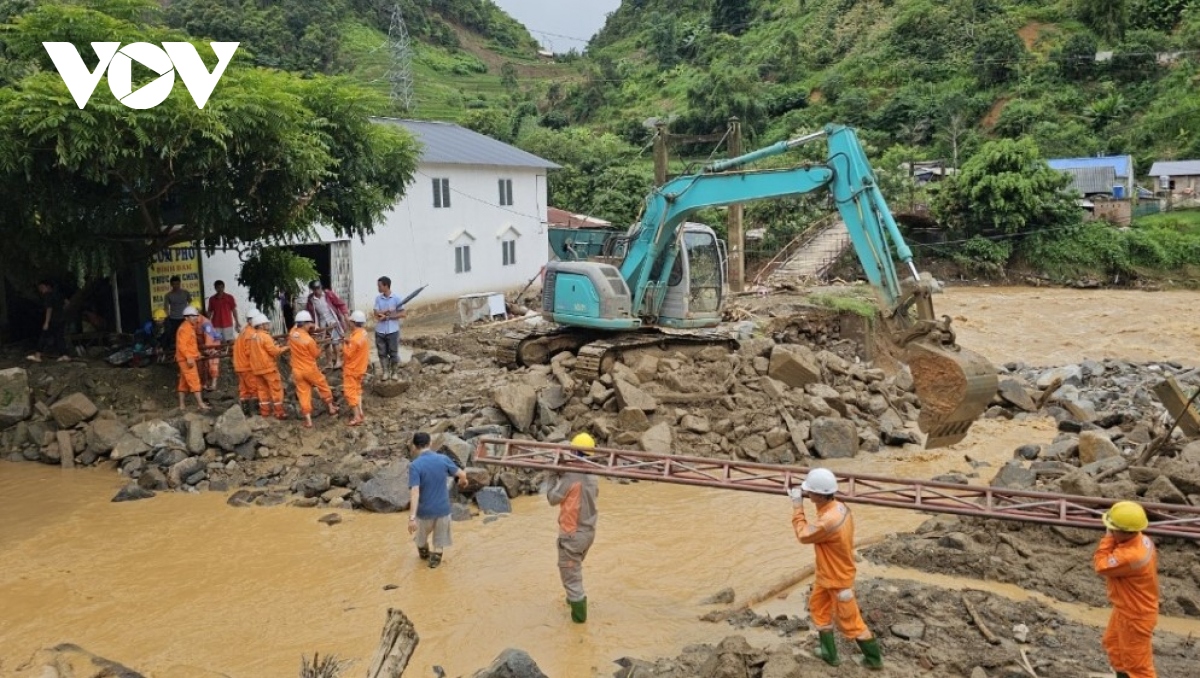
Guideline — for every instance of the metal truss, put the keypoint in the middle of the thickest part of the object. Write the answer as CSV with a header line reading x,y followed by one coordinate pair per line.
x,y
1166,520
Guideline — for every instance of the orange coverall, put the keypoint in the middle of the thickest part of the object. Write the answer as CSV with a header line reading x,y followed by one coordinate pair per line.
x,y
1130,570
305,372
186,348
356,352
263,351
210,367
832,599
247,384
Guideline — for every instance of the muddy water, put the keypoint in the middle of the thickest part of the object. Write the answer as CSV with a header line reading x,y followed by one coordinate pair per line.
x,y
1058,326
182,585
182,582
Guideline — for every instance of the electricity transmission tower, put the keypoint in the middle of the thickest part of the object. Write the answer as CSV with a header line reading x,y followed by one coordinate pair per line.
x,y
400,75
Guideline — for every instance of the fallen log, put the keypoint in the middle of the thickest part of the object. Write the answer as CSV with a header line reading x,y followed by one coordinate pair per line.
x,y
983,629
396,646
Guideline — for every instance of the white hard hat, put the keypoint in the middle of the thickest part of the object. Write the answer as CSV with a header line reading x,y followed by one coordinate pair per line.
x,y
303,317
820,481
260,319
358,317
251,315
190,310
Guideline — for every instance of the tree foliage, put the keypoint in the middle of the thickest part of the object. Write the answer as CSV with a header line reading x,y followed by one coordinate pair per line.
x,y
1005,189
998,53
731,16
269,157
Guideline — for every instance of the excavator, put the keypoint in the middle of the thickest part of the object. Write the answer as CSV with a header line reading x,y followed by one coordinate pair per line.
x,y
665,286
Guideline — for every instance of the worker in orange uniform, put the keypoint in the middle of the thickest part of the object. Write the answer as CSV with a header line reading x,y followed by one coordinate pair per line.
x,y
264,352
1128,561
832,599
305,372
187,356
209,341
246,382
356,353
575,496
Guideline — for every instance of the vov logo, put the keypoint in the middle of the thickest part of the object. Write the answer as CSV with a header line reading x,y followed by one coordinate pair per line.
x,y
172,57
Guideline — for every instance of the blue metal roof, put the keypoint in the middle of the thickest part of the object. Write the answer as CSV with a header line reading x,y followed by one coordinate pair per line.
x,y
1122,165
448,144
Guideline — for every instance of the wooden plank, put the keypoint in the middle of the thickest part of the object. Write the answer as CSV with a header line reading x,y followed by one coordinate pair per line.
x,y
1172,396
396,646
66,449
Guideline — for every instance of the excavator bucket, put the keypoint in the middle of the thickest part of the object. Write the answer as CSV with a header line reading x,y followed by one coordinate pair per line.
x,y
955,387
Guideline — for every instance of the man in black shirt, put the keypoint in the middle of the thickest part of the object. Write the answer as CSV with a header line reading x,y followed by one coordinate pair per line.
x,y
54,326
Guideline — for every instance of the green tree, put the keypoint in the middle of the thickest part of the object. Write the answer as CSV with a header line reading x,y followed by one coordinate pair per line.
x,y
492,122
1006,188
270,156
730,16
998,54
1107,18
1076,59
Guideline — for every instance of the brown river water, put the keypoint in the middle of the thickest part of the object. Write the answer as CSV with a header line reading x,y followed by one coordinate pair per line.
x,y
183,586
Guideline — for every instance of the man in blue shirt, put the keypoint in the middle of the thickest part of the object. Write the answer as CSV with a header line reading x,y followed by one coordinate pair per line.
x,y
428,478
388,313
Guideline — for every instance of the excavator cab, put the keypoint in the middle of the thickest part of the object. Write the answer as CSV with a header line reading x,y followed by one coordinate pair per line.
x,y
696,286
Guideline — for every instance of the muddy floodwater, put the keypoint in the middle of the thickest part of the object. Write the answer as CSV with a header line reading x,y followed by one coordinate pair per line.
x,y
183,585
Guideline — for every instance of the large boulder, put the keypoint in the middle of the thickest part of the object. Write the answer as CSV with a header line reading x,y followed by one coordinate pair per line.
x,y
73,409
633,398
518,402
1014,392
15,402
157,434
231,429
1095,446
128,446
387,491
657,438
493,500
834,438
1015,476
511,664
794,365
104,434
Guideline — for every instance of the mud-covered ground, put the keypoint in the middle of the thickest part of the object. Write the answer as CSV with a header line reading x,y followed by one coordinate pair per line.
x,y
928,631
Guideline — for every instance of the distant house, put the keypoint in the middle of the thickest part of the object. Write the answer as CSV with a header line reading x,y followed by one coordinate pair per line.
x,y
1090,182
927,171
472,221
1123,186
1178,178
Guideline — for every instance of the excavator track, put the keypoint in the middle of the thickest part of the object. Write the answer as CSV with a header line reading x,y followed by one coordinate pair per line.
x,y
594,357
598,357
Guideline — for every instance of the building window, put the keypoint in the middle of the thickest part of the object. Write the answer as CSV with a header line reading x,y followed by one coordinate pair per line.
x,y
509,248
462,259
506,192
441,192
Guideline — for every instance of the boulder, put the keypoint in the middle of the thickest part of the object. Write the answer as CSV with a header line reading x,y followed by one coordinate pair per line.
x,y
634,421
633,398
231,429
518,402
794,365
104,434
1071,375
314,485
1080,484
511,663
128,446
457,448
436,358
1183,475
477,479
511,483
834,438
73,409
1094,446
15,403
1163,491
1014,392
133,493
553,397
1015,476
180,472
658,438
493,500
387,491
390,388
153,479
157,434
695,423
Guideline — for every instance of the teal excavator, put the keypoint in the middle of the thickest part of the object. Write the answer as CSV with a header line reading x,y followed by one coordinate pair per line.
x,y
665,284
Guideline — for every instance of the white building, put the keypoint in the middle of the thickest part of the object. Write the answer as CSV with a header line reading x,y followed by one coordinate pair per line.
x,y
473,220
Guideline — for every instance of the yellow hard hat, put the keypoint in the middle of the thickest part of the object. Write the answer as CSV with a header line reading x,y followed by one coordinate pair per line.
x,y
159,314
1126,516
583,440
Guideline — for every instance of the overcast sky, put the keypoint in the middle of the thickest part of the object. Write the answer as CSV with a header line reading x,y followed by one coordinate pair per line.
x,y
572,18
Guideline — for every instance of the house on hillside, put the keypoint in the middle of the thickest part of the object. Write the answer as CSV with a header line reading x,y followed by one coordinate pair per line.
x,y
1124,185
472,221
1177,179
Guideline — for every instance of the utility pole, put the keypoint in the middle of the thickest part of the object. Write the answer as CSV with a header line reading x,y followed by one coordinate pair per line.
x,y
737,262
660,153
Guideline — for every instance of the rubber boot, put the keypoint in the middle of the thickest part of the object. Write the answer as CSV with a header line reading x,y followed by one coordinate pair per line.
x,y
872,658
1122,674
827,652
578,610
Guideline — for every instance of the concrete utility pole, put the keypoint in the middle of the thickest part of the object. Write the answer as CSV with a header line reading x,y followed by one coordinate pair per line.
x,y
737,261
660,153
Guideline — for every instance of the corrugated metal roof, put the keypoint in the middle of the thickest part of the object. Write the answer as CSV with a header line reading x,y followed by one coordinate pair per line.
x,y
448,144
1175,168
1091,180
1122,165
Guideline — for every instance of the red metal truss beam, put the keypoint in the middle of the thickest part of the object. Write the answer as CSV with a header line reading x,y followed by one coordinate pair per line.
x,y
1166,520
